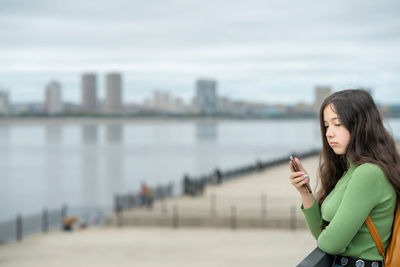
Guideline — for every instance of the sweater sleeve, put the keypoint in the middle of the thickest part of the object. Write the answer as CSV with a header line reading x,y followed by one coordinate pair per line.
x,y
313,219
360,197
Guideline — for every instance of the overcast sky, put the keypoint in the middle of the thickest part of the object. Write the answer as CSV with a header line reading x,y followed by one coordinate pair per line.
x,y
258,50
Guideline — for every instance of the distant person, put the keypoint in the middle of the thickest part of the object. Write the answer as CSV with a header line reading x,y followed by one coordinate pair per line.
x,y
259,165
217,176
68,223
150,197
186,185
360,175
144,193
96,218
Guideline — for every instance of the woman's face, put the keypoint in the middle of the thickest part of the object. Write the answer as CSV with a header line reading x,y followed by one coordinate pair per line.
x,y
336,134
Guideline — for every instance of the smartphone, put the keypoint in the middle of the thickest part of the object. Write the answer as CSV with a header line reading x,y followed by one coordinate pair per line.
x,y
307,186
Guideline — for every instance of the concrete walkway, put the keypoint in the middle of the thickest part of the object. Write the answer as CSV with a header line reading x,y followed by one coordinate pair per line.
x,y
165,246
262,199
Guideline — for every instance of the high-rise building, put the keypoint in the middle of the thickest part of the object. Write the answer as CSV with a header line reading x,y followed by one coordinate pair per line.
x,y
320,93
165,102
113,93
4,105
89,92
161,100
206,96
53,98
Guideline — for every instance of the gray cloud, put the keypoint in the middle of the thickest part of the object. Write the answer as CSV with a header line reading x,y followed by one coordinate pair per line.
x,y
251,47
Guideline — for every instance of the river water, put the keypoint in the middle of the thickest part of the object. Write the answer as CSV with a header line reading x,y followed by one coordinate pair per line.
x,y
85,162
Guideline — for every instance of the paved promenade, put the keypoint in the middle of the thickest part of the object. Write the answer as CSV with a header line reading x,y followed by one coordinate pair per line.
x,y
159,247
261,199
166,246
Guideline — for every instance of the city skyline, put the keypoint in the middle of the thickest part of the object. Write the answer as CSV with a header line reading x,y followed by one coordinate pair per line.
x,y
90,84
256,50
205,101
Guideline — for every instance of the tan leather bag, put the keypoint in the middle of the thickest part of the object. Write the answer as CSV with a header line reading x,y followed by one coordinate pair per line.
x,y
392,256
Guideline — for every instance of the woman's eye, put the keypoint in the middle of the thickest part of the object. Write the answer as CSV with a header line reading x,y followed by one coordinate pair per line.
x,y
338,125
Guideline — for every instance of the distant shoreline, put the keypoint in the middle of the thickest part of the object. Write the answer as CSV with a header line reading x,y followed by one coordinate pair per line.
x,y
113,120
147,119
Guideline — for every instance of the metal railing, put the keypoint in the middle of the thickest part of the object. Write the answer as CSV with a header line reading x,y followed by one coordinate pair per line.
x,y
195,186
31,224
48,220
252,211
317,258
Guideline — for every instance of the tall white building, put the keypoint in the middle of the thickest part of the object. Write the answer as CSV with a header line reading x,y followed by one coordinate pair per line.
x,y
161,100
164,101
89,92
4,105
53,98
113,102
206,96
320,93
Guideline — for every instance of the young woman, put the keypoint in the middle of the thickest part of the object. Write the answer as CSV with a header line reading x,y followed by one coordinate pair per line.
x,y
360,176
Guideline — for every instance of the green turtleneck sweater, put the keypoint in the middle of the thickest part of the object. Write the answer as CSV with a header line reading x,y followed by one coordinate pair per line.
x,y
362,190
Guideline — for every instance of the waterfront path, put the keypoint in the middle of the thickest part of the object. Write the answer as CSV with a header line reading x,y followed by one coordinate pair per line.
x,y
183,246
159,247
258,200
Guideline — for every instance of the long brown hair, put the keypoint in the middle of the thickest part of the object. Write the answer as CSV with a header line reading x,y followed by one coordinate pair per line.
x,y
369,141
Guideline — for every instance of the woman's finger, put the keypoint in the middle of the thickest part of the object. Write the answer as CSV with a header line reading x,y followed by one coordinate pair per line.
x,y
302,184
297,180
296,174
299,184
299,165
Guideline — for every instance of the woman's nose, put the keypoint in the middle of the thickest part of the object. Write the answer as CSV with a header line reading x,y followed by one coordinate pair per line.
x,y
329,133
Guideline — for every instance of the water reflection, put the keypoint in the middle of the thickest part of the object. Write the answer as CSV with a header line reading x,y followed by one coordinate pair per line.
x,y
206,152
4,134
53,133
89,175
114,164
54,184
207,131
89,133
114,133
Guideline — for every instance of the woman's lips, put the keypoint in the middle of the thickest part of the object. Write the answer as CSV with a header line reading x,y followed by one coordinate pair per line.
x,y
333,144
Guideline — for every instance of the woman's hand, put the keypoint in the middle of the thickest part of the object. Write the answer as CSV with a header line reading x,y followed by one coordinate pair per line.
x,y
299,178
